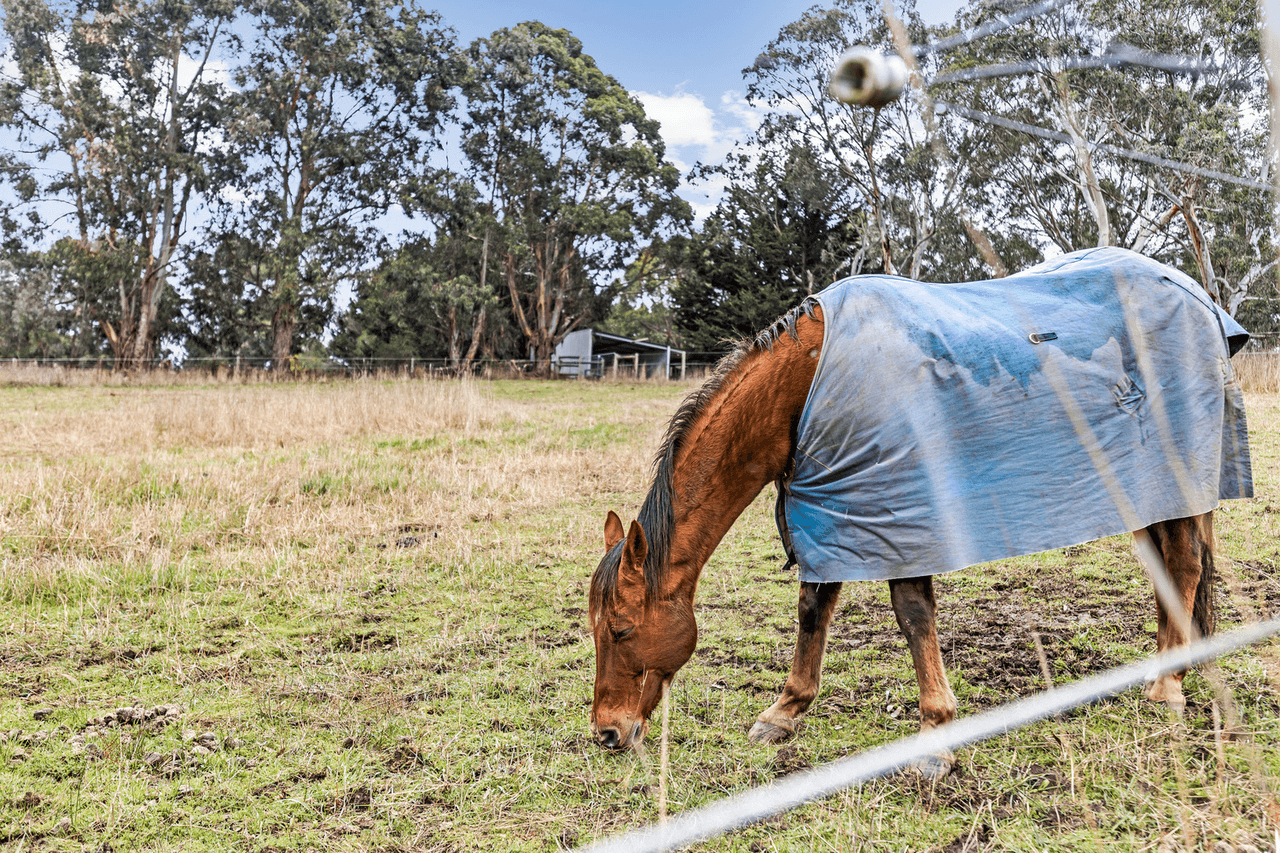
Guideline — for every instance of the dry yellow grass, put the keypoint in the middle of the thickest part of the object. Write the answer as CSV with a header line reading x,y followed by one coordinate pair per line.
x,y
293,474
1258,371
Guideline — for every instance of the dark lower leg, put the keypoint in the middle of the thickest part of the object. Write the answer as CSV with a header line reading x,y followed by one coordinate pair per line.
x,y
916,609
817,604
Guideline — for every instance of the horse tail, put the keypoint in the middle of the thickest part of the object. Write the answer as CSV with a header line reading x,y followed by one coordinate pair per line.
x,y
1204,614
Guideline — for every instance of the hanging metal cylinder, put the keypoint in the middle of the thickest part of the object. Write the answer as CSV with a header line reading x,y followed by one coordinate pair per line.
x,y
868,78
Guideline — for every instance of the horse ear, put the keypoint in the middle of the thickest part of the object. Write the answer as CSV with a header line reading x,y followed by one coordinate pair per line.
x,y
632,589
612,530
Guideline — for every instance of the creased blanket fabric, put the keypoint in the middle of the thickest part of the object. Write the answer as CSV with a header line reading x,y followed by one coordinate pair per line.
x,y
953,424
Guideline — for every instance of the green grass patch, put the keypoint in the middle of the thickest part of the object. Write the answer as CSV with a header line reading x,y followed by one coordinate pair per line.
x,y
362,606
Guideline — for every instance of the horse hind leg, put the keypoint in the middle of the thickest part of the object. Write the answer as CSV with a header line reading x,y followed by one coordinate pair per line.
x,y
778,722
916,609
1182,547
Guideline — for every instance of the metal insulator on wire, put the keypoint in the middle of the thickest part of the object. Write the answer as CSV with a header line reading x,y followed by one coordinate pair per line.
x,y
868,78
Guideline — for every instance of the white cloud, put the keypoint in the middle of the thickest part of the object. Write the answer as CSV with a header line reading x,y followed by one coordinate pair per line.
x,y
685,118
744,114
694,132
694,129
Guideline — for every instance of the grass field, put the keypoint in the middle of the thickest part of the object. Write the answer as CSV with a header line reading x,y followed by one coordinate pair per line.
x,y
351,616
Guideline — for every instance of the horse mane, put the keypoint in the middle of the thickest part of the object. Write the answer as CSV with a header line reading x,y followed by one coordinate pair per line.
x,y
657,512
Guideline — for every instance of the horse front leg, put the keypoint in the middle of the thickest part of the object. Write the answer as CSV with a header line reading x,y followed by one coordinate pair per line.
x,y
916,610
778,722
1183,548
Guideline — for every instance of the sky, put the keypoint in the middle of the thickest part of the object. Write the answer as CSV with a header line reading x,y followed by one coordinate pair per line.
x,y
682,59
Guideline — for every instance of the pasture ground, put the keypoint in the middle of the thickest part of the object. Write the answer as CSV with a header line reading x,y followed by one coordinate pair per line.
x,y
350,616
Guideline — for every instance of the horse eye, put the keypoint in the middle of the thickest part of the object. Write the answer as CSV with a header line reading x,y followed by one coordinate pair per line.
x,y
623,634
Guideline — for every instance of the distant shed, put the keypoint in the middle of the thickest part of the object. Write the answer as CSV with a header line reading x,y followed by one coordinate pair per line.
x,y
587,353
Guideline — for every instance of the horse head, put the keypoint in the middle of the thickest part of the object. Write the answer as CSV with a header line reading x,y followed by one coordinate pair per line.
x,y
642,638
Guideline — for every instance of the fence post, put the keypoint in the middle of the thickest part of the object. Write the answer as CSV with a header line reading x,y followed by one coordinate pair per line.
x,y
682,357
614,373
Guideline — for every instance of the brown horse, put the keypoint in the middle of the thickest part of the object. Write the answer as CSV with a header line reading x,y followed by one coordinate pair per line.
x,y
727,440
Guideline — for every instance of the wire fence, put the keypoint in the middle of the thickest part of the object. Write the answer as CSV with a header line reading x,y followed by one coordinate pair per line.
x,y
695,366
1257,371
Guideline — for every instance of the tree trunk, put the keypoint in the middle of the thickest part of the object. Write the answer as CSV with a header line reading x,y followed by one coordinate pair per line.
x,y
476,334
283,323
148,309
542,347
123,340
455,335
1200,248
478,330
1088,182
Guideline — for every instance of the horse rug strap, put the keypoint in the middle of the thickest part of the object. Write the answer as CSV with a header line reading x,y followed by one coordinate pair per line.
x,y
953,424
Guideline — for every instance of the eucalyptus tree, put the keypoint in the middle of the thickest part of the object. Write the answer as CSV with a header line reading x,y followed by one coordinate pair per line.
x,y
337,113
570,169
229,302
112,108
1071,189
907,199
36,319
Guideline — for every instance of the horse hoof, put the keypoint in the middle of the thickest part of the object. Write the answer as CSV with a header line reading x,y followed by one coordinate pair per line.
x,y
1169,691
763,732
934,768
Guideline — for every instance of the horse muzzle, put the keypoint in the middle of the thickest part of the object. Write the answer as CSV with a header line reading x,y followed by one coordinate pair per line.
x,y
621,736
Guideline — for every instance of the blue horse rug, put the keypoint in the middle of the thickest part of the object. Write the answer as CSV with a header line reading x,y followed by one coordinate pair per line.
x,y
953,424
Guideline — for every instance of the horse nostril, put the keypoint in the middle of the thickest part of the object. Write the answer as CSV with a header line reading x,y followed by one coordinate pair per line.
x,y
609,738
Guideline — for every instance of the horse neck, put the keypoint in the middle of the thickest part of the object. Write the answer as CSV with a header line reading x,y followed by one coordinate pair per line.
x,y
742,440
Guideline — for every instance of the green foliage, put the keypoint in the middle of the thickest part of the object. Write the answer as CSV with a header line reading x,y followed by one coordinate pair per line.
x,y
782,232
100,102
886,176
1062,197
571,169
421,302
36,319
564,212
230,304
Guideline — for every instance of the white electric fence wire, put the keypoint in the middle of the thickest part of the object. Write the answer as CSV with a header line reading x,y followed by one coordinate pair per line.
x,y
1058,136
760,803
1117,55
1002,22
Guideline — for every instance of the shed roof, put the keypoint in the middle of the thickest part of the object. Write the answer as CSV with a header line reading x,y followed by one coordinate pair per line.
x,y
603,342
